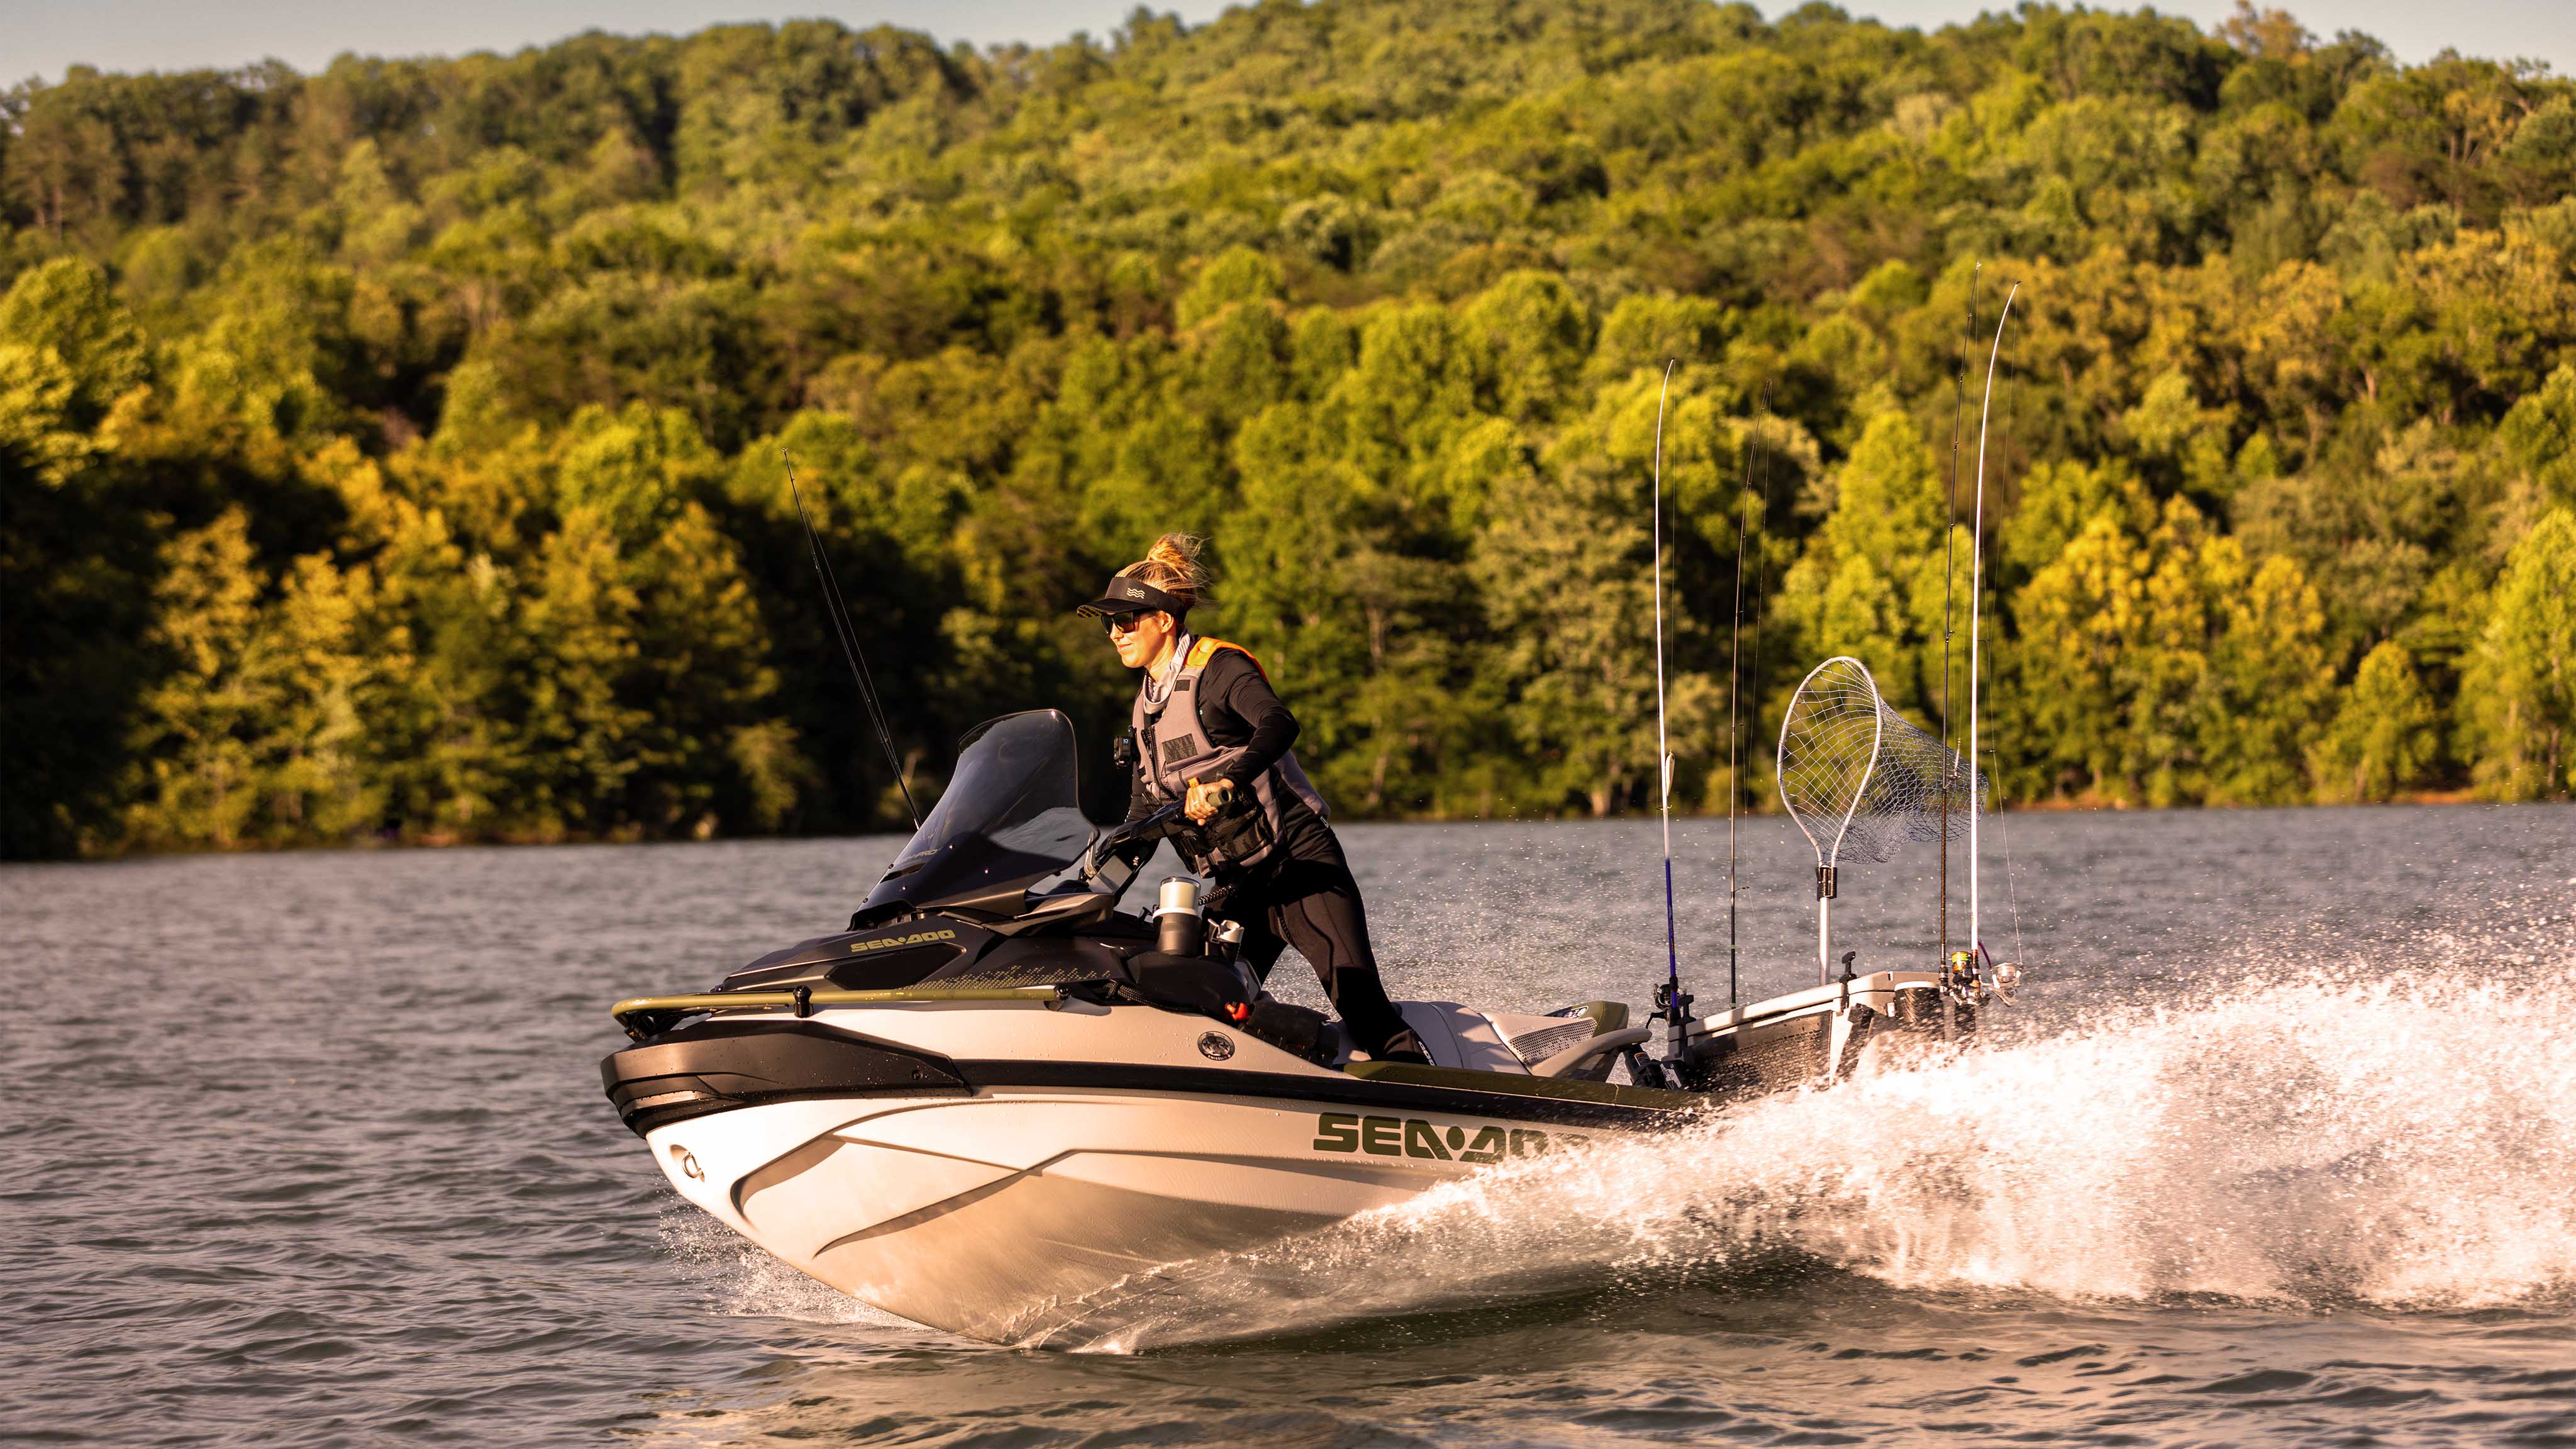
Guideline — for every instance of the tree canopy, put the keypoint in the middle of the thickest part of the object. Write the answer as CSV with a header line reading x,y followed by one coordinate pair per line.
x,y
395,452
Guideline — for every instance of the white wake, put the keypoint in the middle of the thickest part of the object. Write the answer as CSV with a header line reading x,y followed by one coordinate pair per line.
x,y
2401,1142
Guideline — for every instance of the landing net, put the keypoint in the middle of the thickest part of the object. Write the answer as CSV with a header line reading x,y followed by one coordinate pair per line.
x,y
1856,775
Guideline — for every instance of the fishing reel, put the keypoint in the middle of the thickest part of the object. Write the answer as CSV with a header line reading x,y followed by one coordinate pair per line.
x,y
1672,1005
1959,981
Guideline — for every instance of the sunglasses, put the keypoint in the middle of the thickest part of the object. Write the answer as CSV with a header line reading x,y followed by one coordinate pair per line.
x,y
1123,623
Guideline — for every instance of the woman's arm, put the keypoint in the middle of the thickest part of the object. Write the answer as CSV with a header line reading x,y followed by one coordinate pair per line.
x,y
1234,684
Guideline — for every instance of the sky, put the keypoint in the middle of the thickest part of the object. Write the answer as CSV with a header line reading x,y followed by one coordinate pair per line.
x,y
39,38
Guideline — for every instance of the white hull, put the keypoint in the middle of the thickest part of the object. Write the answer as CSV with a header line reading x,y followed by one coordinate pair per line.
x,y
1005,1211
974,1215
996,1214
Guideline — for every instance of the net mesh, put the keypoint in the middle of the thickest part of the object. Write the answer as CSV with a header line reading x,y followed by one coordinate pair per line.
x,y
1857,777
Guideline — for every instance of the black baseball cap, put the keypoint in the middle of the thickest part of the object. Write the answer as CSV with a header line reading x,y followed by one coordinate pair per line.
x,y
1128,594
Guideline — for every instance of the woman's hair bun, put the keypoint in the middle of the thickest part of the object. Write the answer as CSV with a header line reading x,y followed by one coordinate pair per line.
x,y
1175,564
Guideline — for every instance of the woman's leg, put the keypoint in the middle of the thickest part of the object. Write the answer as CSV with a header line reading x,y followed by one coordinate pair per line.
x,y
1315,907
1250,903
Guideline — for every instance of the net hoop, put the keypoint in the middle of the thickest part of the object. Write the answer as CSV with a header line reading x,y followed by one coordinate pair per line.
x,y
1856,775
1827,852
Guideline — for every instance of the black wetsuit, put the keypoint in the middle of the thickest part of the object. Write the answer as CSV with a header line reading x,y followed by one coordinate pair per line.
x,y
1303,895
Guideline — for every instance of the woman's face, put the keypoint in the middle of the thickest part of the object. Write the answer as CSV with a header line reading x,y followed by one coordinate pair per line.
x,y
1140,638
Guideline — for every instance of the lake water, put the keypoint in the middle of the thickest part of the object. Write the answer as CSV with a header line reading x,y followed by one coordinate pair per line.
x,y
2279,1149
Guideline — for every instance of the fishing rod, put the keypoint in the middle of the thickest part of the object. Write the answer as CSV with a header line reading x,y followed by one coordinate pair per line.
x,y
1734,690
838,611
1976,603
1669,1000
1949,573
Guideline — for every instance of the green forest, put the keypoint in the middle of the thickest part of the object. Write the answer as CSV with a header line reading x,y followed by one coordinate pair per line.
x,y
395,453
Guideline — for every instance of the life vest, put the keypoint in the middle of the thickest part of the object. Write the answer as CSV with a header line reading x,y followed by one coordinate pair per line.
x,y
1172,749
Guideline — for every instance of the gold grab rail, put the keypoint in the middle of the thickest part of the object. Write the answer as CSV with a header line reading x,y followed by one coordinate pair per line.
x,y
802,1002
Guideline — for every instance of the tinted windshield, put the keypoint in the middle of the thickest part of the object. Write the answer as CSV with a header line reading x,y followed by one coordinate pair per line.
x,y
1007,819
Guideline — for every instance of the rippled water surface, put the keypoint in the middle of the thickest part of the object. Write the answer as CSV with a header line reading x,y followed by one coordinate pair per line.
x,y
2280,1149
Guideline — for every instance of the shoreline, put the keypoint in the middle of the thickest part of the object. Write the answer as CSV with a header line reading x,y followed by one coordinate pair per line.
x,y
2415,799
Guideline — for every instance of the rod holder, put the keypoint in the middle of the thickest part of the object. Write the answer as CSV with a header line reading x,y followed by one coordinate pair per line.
x,y
1227,938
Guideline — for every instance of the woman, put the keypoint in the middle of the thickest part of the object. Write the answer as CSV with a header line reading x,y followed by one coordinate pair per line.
x,y
1208,732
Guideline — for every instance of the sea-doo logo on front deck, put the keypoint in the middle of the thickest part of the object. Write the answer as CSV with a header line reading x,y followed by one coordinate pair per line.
x,y
888,943
1216,1046
1413,1137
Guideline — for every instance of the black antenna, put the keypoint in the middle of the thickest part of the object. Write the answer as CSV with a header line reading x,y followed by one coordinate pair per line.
x,y
1761,577
1949,570
839,613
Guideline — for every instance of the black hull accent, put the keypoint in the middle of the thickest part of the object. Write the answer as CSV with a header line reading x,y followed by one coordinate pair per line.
x,y
718,1066
1387,1085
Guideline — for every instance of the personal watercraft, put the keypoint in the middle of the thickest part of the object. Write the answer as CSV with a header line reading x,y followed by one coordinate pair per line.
x,y
996,1095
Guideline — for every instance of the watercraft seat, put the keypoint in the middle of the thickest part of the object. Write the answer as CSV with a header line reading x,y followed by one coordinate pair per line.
x,y
1577,1043
1583,1043
1590,1058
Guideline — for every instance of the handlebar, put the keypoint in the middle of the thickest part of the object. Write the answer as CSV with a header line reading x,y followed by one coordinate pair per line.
x,y
1147,831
